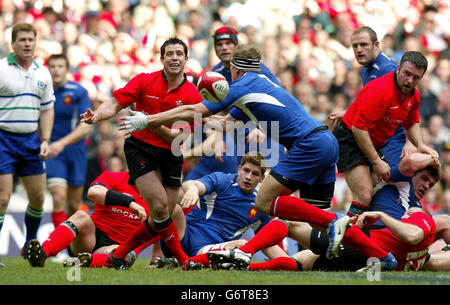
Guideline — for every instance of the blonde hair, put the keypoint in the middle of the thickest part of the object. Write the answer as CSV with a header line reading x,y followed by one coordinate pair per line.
x,y
246,57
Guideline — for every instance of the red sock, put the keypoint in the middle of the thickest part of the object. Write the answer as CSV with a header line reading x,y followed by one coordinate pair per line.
x,y
169,235
142,234
269,235
355,238
58,240
279,263
99,260
293,208
58,218
144,246
201,258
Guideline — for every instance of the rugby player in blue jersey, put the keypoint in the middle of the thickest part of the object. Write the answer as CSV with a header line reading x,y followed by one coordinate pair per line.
x,y
309,164
67,163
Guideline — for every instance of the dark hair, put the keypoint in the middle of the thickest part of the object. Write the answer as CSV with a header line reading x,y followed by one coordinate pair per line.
x,y
58,56
372,33
415,58
435,173
171,41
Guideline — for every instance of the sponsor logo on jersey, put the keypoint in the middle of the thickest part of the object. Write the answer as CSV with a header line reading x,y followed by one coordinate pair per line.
x,y
67,100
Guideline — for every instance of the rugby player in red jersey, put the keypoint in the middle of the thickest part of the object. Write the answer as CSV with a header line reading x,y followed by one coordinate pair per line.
x,y
153,167
382,105
402,245
118,210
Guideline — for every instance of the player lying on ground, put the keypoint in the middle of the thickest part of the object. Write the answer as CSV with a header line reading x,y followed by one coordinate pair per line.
x,y
402,245
118,210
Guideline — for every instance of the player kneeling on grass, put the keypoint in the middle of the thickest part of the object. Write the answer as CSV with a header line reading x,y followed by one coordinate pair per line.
x,y
118,210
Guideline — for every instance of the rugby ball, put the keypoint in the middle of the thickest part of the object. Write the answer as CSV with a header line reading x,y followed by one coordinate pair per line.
x,y
212,86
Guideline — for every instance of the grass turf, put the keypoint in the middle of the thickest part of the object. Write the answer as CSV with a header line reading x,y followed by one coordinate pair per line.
x,y
19,272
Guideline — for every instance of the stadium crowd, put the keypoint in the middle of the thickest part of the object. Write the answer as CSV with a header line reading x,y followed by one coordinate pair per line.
x,y
306,44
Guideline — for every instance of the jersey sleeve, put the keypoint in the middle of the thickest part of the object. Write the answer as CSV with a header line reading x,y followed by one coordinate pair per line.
x,y
210,181
131,92
397,176
423,221
414,115
84,101
48,98
215,107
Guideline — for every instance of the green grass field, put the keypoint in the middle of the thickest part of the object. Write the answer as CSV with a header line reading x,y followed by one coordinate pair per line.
x,y
19,272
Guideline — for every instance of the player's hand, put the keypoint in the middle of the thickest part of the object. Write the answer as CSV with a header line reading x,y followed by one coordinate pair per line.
x,y
408,149
44,150
336,117
138,210
55,149
382,170
256,136
190,198
134,122
89,117
366,219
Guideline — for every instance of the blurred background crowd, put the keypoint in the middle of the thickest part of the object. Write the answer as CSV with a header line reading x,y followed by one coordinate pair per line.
x,y
306,44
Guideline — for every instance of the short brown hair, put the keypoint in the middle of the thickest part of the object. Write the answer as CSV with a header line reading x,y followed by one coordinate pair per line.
x,y
372,33
58,56
255,158
22,27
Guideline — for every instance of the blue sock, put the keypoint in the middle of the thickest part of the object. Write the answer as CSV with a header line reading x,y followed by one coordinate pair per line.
x,y
32,221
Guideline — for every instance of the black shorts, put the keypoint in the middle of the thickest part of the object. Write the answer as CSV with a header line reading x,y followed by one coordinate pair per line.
x,y
350,154
101,240
143,158
349,260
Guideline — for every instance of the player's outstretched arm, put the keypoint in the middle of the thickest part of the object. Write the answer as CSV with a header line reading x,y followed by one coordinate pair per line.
x,y
104,112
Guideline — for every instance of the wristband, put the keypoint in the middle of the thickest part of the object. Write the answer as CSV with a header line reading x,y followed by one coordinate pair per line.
x,y
116,198
46,139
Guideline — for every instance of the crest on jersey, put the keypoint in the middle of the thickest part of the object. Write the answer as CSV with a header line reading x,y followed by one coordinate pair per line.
x,y
68,100
252,212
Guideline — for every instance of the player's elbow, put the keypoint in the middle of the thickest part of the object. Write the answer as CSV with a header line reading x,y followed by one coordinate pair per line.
x,y
414,237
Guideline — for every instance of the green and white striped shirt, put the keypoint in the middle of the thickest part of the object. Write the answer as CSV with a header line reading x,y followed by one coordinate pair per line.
x,y
23,95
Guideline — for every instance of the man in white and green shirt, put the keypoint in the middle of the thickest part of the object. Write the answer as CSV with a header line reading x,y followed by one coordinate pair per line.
x,y
26,122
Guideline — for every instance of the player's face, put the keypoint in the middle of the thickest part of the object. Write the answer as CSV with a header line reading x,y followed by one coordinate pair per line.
x,y
224,48
58,70
363,48
423,181
249,175
174,59
408,76
24,46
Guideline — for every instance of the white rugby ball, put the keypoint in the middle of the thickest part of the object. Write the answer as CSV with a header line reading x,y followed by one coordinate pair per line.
x,y
213,86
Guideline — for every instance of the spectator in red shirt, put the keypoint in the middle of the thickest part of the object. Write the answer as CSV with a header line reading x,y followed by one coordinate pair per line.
x,y
381,106
153,167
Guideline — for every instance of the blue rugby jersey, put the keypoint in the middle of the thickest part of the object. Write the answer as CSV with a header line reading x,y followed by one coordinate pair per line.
x,y
226,212
71,101
255,97
381,65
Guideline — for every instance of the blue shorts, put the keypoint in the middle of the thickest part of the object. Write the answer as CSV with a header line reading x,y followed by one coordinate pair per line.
x,y
70,164
20,154
311,160
194,240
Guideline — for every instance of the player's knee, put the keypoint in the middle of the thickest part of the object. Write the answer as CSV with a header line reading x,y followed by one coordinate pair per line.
x,y
262,206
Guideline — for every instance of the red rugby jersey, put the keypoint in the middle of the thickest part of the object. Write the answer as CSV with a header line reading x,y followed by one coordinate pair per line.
x,y
149,92
380,108
117,222
408,257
